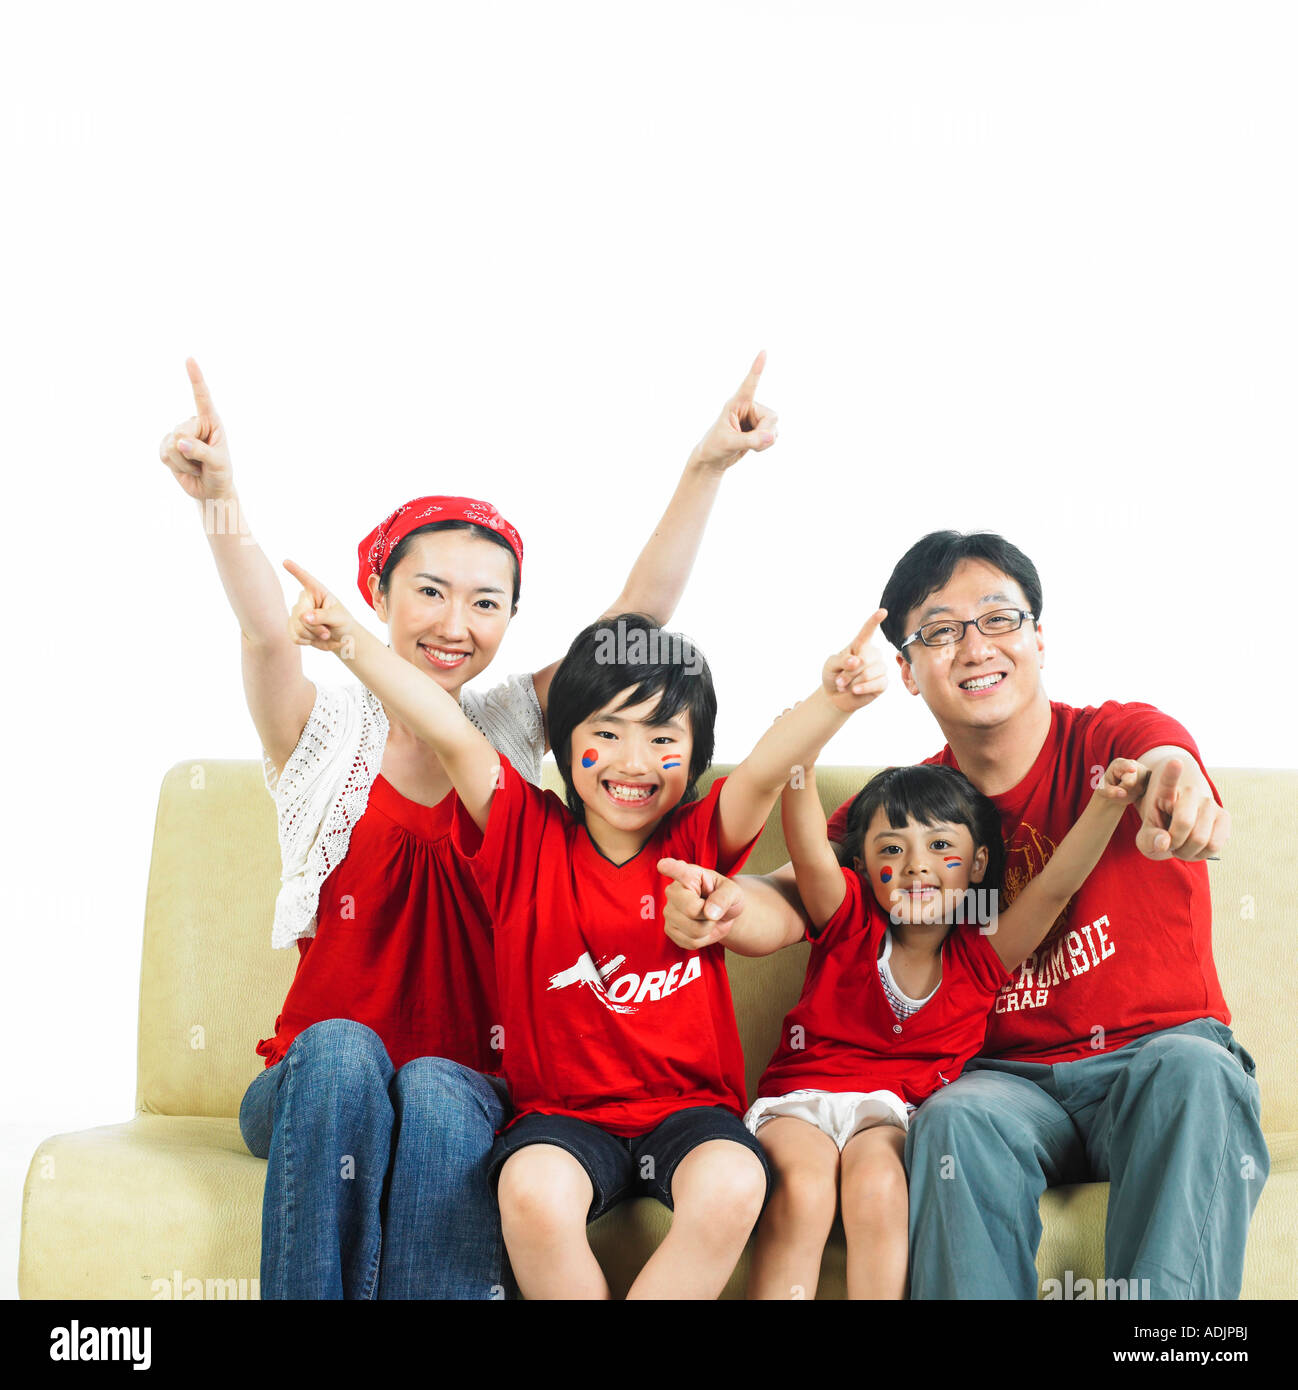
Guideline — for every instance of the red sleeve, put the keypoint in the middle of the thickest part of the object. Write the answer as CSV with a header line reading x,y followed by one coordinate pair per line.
x,y
1128,730
837,827
858,912
503,858
694,834
973,949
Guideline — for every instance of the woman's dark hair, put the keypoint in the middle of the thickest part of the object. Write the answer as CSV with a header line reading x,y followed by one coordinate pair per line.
x,y
932,795
931,561
482,532
630,655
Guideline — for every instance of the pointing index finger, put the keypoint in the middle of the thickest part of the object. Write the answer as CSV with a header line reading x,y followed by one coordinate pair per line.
x,y
308,581
202,396
1169,777
748,387
868,631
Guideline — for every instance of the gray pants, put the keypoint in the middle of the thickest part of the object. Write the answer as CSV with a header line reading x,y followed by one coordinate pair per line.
x,y
1171,1121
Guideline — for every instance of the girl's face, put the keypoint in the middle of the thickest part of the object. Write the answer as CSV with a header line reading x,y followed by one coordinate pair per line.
x,y
629,766
448,604
920,872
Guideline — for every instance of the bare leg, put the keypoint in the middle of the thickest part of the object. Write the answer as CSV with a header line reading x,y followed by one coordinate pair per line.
x,y
794,1227
544,1196
876,1212
717,1192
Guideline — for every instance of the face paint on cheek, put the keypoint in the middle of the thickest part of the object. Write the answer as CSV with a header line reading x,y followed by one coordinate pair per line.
x,y
671,760
885,874
951,861
589,758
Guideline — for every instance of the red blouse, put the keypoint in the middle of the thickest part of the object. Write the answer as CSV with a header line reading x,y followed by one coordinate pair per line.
x,y
402,944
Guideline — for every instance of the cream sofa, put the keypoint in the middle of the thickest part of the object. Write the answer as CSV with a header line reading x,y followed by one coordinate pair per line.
x,y
169,1203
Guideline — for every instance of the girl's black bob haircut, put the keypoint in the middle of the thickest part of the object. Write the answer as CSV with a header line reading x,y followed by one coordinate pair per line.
x,y
631,657
484,533
932,795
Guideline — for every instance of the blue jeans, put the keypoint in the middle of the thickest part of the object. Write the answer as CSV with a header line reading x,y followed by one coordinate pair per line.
x,y
376,1185
1171,1121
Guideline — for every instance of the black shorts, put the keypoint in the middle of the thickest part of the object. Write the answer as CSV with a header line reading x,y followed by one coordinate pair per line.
x,y
620,1168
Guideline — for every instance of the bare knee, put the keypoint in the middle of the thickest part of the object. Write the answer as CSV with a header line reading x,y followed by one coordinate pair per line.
x,y
805,1196
721,1182
544,1190
874,1183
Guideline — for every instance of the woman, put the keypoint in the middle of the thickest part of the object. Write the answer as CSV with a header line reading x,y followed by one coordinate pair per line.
x,y
378,1105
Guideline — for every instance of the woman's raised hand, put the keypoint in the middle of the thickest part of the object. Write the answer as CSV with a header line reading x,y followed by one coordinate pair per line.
x,y
743,424
857,674
197,451
318,619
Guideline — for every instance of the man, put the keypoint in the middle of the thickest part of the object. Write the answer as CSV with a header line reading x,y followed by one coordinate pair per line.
x,y
1108,1055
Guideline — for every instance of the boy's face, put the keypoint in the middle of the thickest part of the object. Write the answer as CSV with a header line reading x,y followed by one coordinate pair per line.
x,y
917,873
978,682
629,766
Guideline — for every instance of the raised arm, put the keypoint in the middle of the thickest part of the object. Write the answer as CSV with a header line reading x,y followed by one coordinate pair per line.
x,y
472,764
279,695
662,569
1021,928
815,865
850,680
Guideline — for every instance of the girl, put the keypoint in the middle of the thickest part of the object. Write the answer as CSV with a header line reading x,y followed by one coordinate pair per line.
x,y
384,1048
621,1049
908,952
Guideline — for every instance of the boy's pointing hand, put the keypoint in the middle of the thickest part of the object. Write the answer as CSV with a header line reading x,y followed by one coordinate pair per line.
x,y
318,619
700,904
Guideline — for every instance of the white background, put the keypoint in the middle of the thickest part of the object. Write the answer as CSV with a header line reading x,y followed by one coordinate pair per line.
x,y
1028,267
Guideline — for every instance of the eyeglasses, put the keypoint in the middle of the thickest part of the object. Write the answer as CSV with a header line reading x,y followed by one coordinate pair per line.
x,y
945,632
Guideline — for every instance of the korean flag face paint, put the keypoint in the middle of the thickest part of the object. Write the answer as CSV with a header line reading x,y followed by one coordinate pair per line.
x,y
952,861
671,760
885,874
589,758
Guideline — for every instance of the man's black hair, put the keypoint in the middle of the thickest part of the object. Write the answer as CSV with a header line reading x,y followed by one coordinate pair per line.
x,y
931,561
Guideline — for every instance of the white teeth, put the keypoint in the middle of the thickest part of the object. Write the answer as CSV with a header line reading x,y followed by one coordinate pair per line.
x,y
981,682
447,656
629,793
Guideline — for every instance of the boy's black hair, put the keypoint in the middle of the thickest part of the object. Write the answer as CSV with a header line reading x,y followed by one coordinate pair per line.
x,y
931,561
611,657
930,794
483,532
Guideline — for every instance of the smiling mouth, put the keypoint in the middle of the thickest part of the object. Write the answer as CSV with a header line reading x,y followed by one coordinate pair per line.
x,y
983,682
628,793
446,658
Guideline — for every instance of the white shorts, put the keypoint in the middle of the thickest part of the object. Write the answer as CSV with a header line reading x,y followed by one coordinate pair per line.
x,y
840,1114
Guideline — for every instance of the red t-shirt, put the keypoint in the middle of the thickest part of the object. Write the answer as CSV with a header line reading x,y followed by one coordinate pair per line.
x,y
605,1018
842,1034
402,942
1132,952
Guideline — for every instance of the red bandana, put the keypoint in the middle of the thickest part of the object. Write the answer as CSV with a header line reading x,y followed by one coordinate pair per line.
x,y
375,549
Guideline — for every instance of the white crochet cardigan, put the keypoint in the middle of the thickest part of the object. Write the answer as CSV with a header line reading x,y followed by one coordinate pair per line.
x,y
325,785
